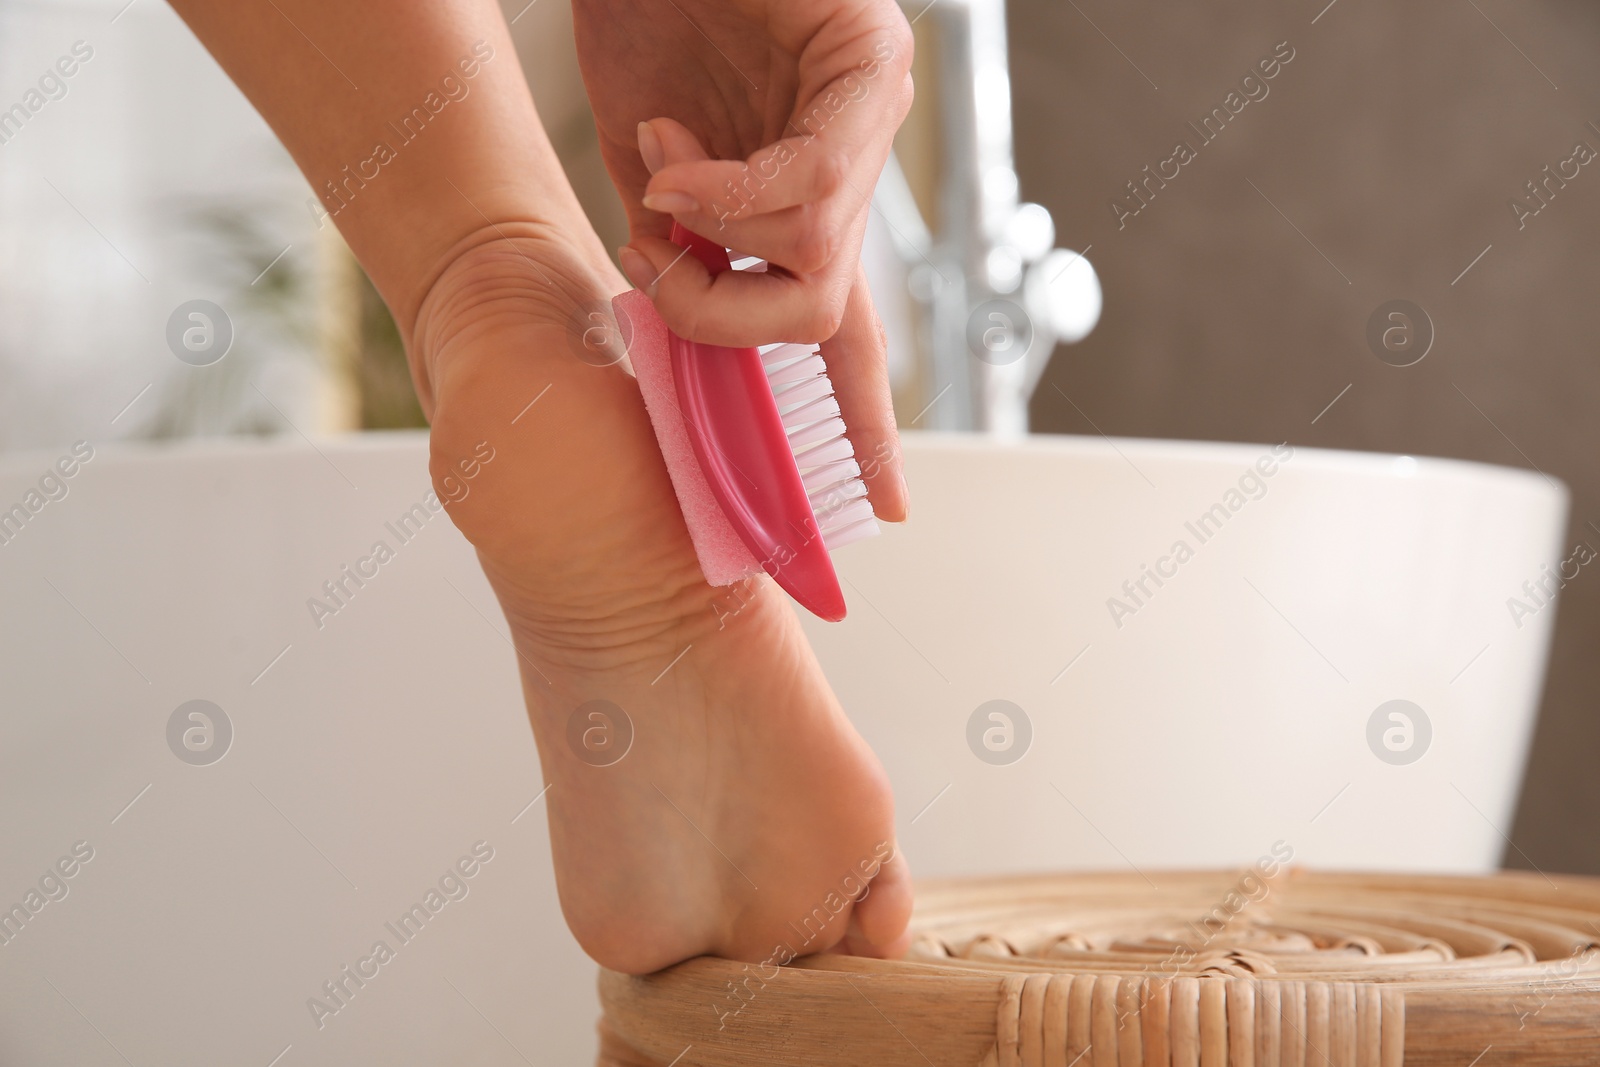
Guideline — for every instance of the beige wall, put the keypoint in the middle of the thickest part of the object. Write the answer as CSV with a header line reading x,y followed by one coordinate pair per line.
x,y
1393,140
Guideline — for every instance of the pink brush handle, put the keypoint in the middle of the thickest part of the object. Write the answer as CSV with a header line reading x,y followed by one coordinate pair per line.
x,y
744,451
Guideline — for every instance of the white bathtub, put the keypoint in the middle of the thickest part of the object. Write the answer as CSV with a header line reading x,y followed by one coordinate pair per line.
x,y
1228,712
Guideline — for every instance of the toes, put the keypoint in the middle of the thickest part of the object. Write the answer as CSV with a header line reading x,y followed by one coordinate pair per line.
x,y
879,920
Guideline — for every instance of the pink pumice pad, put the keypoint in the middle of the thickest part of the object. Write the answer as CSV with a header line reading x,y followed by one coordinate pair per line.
x,y
724,558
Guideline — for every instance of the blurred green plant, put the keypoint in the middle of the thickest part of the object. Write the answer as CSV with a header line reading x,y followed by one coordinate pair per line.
x,y
271,309
270,293
383,375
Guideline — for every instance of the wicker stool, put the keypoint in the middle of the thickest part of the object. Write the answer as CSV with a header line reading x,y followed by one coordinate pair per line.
x,y
1189,970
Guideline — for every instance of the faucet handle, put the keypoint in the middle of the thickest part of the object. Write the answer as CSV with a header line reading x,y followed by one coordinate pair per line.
x,y
1062,296
1031,231
1062,290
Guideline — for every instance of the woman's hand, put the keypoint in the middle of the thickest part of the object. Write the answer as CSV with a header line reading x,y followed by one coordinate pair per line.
x,y
761,124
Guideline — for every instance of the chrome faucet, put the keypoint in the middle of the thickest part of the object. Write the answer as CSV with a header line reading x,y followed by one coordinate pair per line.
x,y
996,295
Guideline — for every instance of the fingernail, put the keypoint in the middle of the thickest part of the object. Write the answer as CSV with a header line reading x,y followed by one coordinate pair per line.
x,y
670,203
655,157
638,270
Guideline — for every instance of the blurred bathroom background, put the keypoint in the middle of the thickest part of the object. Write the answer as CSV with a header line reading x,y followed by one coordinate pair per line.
x,y
1379,163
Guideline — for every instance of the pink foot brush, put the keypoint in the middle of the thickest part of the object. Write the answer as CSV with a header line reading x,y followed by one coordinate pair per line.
x,y
756,450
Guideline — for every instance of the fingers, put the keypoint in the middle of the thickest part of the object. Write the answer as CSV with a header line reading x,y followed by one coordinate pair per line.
x,y
854,93
805,211
799,202
790,172
808,239
858,365
664,142
737,308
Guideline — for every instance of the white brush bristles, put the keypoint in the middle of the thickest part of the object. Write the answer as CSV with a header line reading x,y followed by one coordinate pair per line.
x,y
827,463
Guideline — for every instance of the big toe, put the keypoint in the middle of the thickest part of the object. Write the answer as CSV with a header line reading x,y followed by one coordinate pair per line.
x,y
879,921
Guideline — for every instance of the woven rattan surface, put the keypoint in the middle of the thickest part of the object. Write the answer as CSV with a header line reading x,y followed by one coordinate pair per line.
x,y
1304,969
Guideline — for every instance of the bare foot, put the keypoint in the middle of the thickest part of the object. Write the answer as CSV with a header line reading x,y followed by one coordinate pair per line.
x,y
747,817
